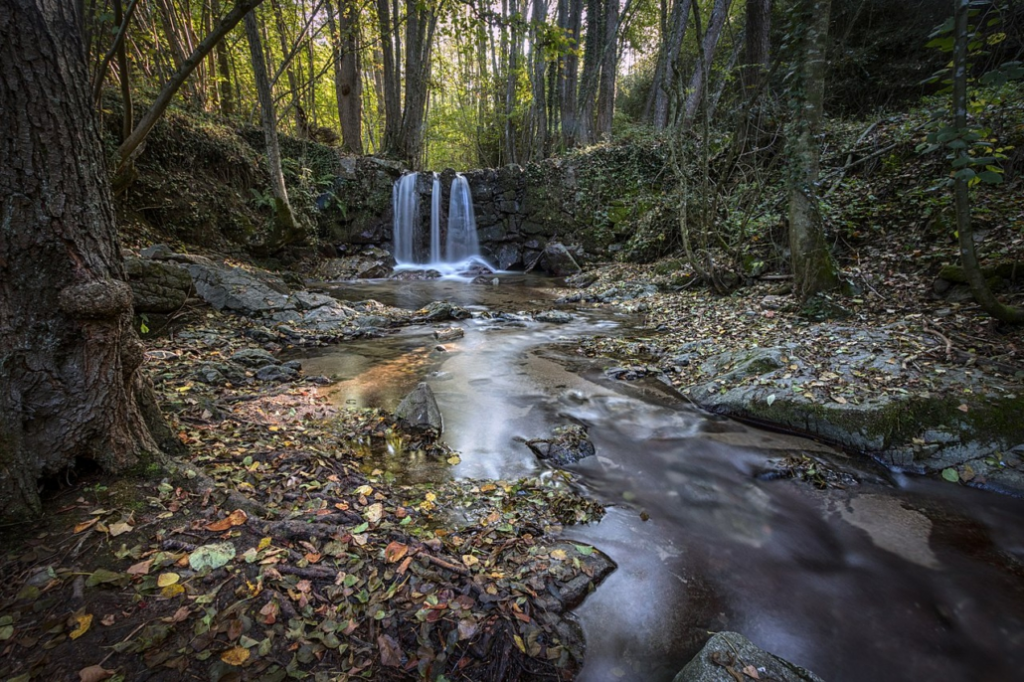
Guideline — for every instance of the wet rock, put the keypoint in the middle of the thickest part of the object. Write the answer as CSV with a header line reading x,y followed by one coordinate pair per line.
x,y
158,252
292,364
556,260
581,280
440,311
235,289
418,411
157,287
276,373
253,357
729,656
554,317
568,445
449,333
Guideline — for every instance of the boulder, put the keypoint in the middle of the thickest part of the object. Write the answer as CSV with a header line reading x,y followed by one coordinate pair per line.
x,y
554,317
307,300
440,311
276,373
729,656
419,412
556,260
253,357
157,287
568,445
449,333
229,288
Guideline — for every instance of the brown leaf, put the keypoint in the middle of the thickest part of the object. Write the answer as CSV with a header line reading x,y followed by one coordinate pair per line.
x,y
751,672
395,551
390,652
963,408
85,525
94,673
404,566
108,620
141,568
269,613
235,518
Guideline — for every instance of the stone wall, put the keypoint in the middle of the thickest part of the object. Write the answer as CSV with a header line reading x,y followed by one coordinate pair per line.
x,y
592,202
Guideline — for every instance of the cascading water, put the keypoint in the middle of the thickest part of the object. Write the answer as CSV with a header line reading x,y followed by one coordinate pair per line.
x,y
435,221
462,241
457,251
406,202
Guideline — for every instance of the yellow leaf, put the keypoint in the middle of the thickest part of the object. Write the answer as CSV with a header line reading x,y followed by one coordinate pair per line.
x,y
519,643
430,497
454,459
167,579
559,555
84,621
264,543
86,524
364,490
374,512
470,560
172,591
120,529
236,656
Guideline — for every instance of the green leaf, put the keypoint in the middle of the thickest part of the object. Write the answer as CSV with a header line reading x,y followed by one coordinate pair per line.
x,y
965,174
361,528
584,550
950,475
990,177
211,556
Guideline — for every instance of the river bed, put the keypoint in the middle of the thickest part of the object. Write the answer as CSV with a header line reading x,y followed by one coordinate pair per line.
x,y
893,578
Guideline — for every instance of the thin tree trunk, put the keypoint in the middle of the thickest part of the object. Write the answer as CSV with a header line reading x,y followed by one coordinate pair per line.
x,y
570,19
609,67
589,79
814,269
756,58
227,102
392,92
348,88
282,35
965,231
287,230
70,385
664,81
695,91
538,107
160,104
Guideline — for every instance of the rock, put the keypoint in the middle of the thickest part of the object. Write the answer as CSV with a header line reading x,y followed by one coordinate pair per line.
x,y
158,252
727,655
253,357
568,445
157,287
439,311
276,373
292,364
307,300
449,333
581,280
556,260
234,289
219,373
554,317
419,411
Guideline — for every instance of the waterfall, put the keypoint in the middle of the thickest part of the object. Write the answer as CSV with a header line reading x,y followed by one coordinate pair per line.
x,y
406,202
462,241
457,251
435,221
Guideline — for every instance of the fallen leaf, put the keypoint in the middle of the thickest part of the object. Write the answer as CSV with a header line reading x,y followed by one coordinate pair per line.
x,y
770,399
167,579
181,614
390,652
141,568
558,555
963,408
172,591
470,560
211,556
235,518
85,525
374,512
751,672
94,673
108,620
395,551
235,656
120,529
84,622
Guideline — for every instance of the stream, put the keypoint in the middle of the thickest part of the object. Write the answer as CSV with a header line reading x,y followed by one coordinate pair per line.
x,y
895,578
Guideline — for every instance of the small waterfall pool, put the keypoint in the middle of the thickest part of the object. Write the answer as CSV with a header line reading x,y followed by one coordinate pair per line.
x,y
892,579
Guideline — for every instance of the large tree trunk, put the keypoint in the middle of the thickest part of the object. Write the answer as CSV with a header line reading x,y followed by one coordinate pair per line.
x,y
286,228
570,18
538,106
814,269
589,78
348,88
419,38
965,231
392,84
69,356
758,44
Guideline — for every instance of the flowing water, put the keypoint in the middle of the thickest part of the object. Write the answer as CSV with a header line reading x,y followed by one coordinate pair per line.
x,y
892,579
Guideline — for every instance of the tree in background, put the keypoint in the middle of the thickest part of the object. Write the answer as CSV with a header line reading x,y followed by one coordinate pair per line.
x,y
814,269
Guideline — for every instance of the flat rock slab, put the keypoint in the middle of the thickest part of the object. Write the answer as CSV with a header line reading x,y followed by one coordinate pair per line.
x,y
729,656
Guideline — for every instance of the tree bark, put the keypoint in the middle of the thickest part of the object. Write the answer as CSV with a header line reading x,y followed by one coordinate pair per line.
x,y
287,229
538,106
757,47
227,102
814,269
69,356
965,231
570,18
163,100
590,77
392,85
609,68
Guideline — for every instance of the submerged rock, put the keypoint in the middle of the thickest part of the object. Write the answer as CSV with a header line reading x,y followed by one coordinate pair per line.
x,y
439,311
419,411
567,445
449,333
729,656
554,317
